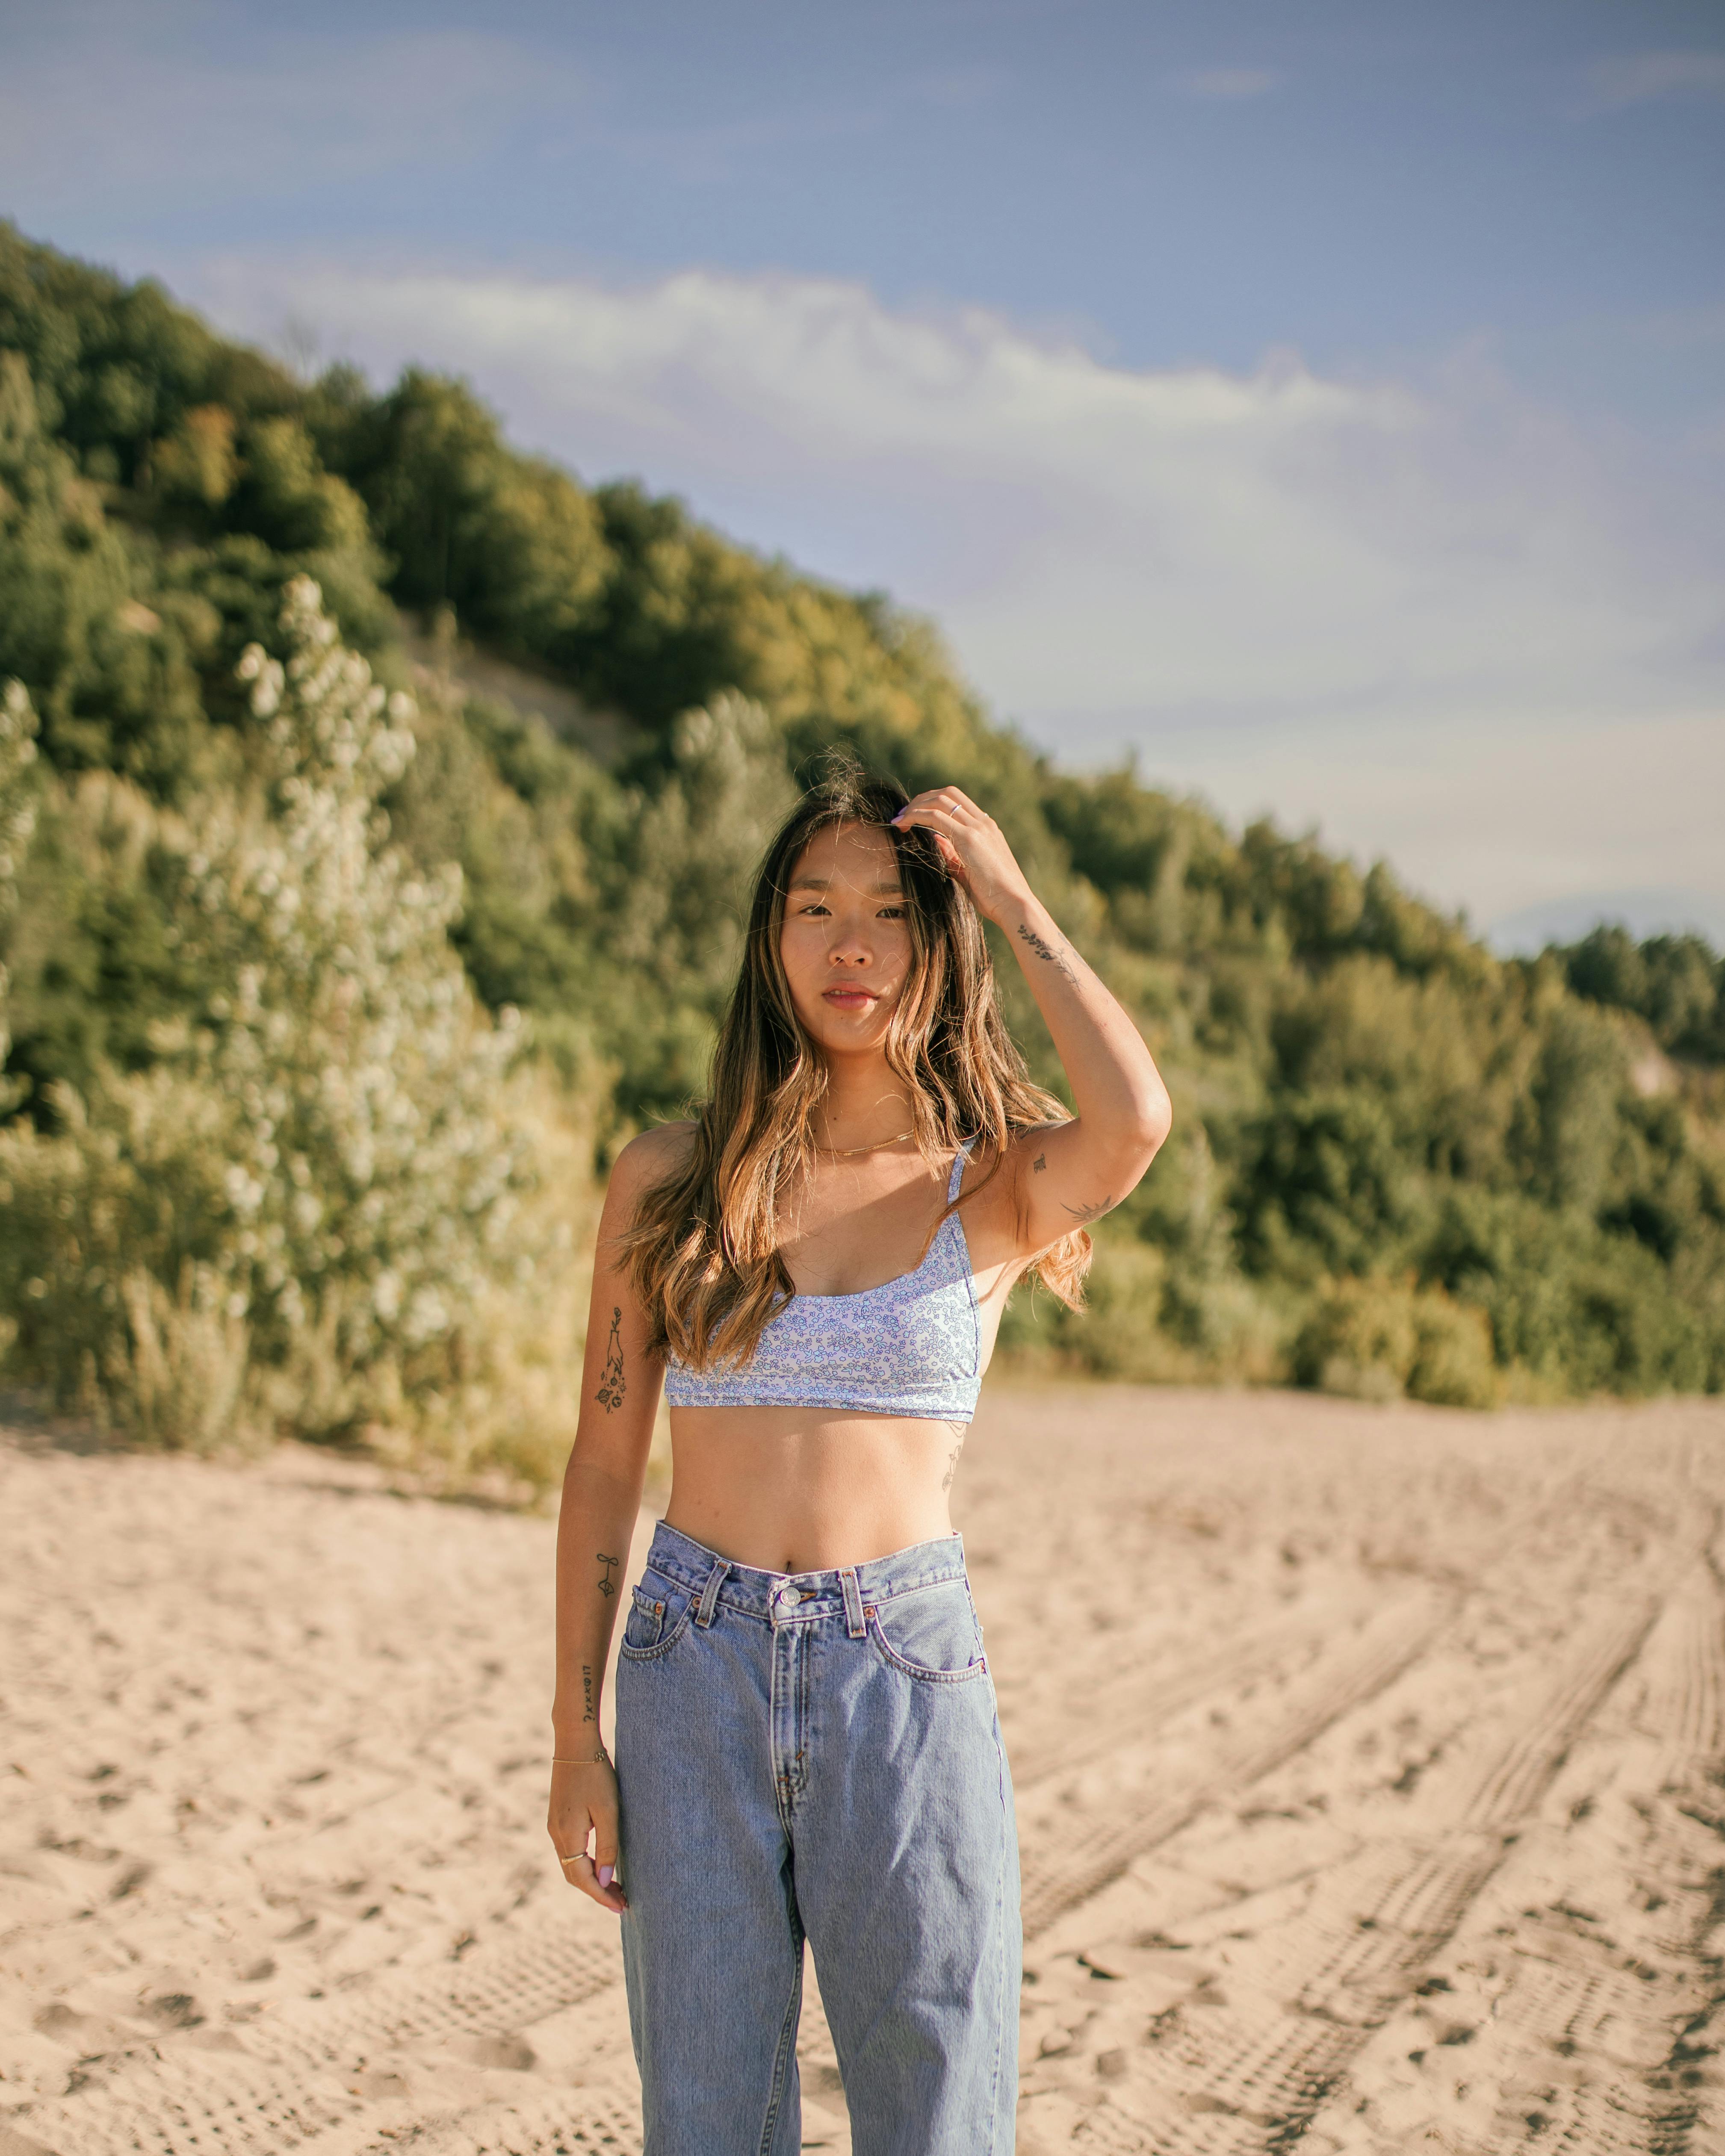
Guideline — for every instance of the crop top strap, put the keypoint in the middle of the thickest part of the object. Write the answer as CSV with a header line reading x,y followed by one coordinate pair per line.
x,y
958,1167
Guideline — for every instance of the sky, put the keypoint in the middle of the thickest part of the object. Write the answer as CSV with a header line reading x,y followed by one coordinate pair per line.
x,y
1321,403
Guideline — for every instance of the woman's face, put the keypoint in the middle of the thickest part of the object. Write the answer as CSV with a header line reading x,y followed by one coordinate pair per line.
x,y
846,944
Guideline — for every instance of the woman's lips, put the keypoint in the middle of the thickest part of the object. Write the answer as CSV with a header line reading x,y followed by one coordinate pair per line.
x,y
849,998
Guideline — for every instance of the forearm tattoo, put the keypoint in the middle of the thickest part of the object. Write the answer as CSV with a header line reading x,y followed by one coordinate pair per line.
x,y
609,1395
586,1713
1046,952
605,1587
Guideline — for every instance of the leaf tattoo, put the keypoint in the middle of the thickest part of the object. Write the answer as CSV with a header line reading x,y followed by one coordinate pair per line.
x,y
605,1587
1046,952
611,1390
1083,1214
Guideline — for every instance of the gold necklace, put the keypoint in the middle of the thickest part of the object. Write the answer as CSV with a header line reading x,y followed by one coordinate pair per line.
x,y
850,1151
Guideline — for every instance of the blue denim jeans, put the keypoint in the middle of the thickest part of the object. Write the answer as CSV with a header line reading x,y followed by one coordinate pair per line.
x,y
816,1755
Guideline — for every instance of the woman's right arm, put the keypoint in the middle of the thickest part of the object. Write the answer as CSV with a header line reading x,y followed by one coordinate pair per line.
x,y
601,1497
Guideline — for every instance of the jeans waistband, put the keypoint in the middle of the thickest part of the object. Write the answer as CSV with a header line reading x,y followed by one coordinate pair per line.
x,y
776,1596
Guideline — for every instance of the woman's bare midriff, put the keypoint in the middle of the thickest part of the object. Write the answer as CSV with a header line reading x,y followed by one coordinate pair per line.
x,y
810,1489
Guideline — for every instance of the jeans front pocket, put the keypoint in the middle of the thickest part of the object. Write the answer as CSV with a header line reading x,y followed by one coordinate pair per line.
x,y
645,1620
930,1633
659,1614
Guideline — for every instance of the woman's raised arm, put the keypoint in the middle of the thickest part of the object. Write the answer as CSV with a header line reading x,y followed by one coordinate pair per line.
x,y
1071,1174
602,1494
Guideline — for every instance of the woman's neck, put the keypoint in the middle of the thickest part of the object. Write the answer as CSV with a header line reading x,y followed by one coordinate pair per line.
x,y
865,1104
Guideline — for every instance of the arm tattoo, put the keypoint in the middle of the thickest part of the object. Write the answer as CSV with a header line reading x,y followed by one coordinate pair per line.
x,y
1039,1162
609,1394
605,1587
1083,1214
586,1713
1046,952
951,1465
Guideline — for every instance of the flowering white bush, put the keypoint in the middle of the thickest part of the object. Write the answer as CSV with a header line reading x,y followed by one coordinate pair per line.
x,y
18,817
373,1181
321,1169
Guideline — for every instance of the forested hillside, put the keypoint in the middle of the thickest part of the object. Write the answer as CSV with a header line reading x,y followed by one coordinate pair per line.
x,y
269,1146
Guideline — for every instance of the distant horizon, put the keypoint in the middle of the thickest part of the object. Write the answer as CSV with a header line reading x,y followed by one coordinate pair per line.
x,y
1643,913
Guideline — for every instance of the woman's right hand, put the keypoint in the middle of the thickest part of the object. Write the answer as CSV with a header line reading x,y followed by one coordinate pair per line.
x,y
584,1804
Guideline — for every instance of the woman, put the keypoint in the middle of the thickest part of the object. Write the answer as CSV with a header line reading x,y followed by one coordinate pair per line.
x,y
807,1744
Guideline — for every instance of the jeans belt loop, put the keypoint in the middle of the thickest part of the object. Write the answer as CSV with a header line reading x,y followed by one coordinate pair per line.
x,y
853,1602
710,1594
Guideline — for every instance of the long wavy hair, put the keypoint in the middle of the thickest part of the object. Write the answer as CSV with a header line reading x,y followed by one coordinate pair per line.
x,y
703,1249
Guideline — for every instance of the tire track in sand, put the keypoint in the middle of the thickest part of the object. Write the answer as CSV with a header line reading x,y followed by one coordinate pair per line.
x,y
606,2113
1253,2070
1571,2007
572,2123
313,2075
1070,1853
1142,1699
302,2073
1067,1859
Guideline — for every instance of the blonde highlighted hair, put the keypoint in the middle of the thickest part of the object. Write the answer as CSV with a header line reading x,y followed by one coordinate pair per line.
x,y
703,1248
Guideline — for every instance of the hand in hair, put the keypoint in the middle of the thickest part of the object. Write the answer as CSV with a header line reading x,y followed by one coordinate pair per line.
x,y
1062,1179
973,847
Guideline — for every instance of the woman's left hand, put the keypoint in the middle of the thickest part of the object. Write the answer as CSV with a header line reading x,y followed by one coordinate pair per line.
x,y
972,846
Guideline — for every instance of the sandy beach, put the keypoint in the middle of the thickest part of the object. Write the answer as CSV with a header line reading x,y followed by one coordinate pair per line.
x,y
1370,1767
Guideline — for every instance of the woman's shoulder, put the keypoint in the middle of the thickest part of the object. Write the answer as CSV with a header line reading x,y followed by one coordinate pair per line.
x,y
640,1167
651,1156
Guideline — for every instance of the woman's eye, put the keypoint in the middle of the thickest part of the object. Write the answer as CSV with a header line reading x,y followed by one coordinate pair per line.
x,y
811,910
890,913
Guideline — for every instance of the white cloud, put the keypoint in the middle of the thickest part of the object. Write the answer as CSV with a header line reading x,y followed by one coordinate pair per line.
x,y
1400,608
1227,83
1641,78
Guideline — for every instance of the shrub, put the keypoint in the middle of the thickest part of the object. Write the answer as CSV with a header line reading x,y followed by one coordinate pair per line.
x,y
174,1379
1379,1339
1149,1318
1573,1308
